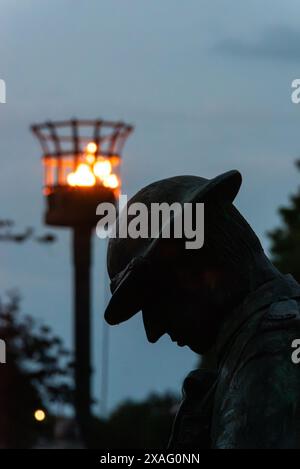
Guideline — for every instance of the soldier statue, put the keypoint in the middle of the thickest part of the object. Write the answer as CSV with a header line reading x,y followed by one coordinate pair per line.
x,y
227,302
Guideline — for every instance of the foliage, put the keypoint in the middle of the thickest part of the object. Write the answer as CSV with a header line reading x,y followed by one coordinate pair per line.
x,y
37,373
285,240
141,425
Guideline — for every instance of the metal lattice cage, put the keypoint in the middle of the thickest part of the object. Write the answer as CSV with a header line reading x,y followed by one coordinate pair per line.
x,y
81,160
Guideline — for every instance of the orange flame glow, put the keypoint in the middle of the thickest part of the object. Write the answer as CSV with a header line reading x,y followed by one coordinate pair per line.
x,y
111,181
90,151
102,168
83,176
90,158
91,147
95,169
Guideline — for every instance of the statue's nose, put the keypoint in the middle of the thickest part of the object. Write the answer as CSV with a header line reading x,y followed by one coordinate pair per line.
x,y
172,336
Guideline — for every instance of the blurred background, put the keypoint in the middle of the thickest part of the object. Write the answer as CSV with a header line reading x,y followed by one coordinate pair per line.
x,y
207,86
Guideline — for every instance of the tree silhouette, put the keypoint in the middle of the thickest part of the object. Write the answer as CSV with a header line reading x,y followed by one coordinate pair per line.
x,y
36,374
285,240
7,234
145,424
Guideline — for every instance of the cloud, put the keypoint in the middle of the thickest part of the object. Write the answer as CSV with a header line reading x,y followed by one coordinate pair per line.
x,y
276,43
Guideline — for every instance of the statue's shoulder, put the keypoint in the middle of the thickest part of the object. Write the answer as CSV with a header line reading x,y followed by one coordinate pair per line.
x,y
282,318
284,309
279,326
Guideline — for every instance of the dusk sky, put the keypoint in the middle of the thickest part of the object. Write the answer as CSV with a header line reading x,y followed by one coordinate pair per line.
x,y
207,84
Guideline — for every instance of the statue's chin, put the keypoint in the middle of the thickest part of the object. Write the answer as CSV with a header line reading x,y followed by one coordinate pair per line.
x,y
196,349
200,348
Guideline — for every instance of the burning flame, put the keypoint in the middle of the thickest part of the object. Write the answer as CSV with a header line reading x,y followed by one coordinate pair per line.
x,y
83,176
91,147
111,181
90,151
90,158
102,168
86,174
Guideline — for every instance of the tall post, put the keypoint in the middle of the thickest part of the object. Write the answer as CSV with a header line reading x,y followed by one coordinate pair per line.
x,y
82,326
71,200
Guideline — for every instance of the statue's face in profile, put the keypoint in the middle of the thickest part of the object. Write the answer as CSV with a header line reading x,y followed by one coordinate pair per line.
x,y
186,298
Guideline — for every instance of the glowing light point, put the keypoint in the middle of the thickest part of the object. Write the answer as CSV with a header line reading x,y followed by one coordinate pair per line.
x,y
102,168
90,158
91,147
111,181
39,415
71,179
90,151
83,176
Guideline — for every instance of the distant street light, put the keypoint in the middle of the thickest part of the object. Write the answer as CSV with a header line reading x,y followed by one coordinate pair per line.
x,y
81,160
39,415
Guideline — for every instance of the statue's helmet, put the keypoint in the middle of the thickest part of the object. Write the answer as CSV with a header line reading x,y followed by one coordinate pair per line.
x,y
127,258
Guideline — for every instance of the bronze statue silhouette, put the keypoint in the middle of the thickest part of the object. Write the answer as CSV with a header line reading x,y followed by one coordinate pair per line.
x,y
228,303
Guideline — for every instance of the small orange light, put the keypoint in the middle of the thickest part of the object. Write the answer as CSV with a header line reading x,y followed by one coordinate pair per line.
x,y
83,176
46,191
71,179
102,168
111,181
90,158
39,415
91,147
115,160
